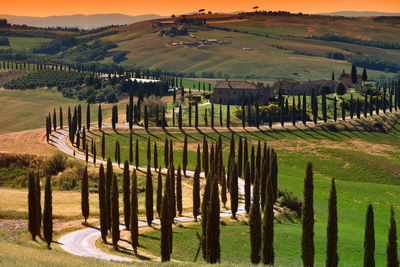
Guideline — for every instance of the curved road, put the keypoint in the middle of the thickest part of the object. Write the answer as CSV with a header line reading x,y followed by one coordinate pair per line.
x,y
82,242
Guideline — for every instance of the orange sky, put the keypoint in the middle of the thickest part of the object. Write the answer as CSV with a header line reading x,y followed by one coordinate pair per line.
x,y
167,7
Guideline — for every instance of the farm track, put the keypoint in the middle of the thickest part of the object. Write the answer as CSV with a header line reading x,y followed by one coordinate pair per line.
x,y
82,242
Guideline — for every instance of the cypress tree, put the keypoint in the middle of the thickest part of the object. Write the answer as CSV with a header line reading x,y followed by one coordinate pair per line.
x,y
55,120
61,118
353,74
274,174
252,166
115,213
130,148
392,259
32,206
196,116
369,240
343,112
324,109
206,117
137,154
358,108
85,195
184,156
196,193
304,109
134,214
180,117
166,223
212,115
99,118
148,152
371,111
335,109
88,117
240,157
125,187
179,191
332,258
204,213
103,204
205,156
171,152
38,205
243,115
109,176
166,154
247,187
190,114
48,213
258,115
223,187
220,116
268,226
79,119
83,139
78,141
159,192
228,116
351,106
103,146
293,112
149,196
155,156
307,238
246,151
146,118
255,223
213,220
365,105
234,191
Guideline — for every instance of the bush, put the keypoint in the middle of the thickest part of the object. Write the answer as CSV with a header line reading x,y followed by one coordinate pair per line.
x,y
4,41
340,89
290,200
55,164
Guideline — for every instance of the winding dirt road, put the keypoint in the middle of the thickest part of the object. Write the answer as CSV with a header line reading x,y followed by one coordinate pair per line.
x,y
82,242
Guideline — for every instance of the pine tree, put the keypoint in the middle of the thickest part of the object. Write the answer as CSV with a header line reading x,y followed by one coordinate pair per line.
x,y
369,240
109,176
125,187
179,191
196,193
234,191
32,206
134,214
85,195
48,213
332,257
307,238
392,259
255,223
184,156
247,188
268,226
213,221
103,204
115,213
88,117
159,192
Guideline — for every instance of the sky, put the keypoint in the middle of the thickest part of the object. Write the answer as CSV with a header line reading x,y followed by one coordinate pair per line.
x,y
43,8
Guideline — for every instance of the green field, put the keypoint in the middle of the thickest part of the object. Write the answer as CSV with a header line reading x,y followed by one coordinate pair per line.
x,y
25,43
365,164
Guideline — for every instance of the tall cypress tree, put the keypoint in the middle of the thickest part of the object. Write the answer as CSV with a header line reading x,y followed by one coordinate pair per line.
x,y
179,191
351,106
149,196
223,187
196,193
369,239
166,154
196,117
335,108
228,116
130,148
234,191
61,118
159,192
48,213
220,116
184,156
85,195
324,109
268,226
137,154
213,220
204,213
103,204
134,214
79,119
255,223
103,146
392,259
109,176
240,157
293,112
127,200
88,117
307,238
247,187
32,206
166,223
212,115
38,205
99,117
304,109
343,111
55,120
115,213
332,258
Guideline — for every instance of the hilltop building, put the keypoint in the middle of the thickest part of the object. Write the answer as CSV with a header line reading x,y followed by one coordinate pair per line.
x,y
346,79
233,92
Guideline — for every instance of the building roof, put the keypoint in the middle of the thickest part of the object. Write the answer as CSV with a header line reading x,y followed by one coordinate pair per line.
x,y
237,85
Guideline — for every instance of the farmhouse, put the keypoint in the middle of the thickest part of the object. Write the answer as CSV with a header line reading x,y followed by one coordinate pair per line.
x,y
293,87
233,92
346,79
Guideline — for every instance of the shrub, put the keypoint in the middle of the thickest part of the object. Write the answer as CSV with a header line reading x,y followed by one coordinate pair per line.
x,y
55,164
340,89
290,200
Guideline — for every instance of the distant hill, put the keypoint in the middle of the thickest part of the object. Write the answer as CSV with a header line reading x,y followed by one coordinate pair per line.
x,y
360,14
78,20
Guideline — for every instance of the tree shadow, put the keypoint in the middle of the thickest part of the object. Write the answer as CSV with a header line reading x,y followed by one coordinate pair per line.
x,y
204,134
267,134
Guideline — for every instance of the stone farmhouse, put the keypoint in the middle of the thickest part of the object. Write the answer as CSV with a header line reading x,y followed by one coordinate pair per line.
x,y
293,87
234,92
345,78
